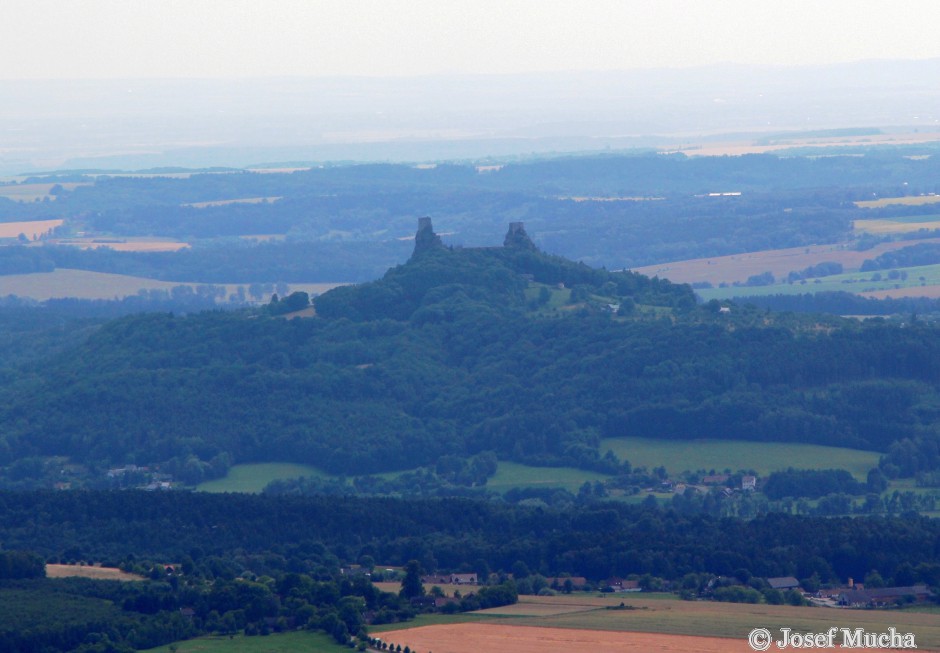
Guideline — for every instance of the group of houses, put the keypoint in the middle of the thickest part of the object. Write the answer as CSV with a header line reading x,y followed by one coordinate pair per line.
x,y
856,595
450,579
748,484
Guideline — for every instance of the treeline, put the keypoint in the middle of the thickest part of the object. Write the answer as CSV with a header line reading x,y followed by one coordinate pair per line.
x,y
844,303
227,534
816,483
21,564
905,257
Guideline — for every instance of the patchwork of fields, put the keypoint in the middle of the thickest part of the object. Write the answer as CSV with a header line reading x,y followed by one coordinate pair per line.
x,y
675,455
921,281
780,262
83,284
649,623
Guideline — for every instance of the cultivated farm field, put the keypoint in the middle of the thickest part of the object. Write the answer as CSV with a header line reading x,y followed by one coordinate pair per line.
x,y
33,192
123,244
500,638
921,281
89,571
913,200
728,623
83,284
29,228
738,267
903,225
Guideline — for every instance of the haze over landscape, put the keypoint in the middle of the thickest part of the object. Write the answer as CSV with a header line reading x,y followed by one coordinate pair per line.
x,y
469,325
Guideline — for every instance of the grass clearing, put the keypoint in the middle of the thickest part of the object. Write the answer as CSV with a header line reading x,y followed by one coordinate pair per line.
x,y
292,642
513,475
763,457
253,478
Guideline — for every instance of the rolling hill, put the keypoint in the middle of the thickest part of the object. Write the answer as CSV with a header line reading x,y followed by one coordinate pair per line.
x,y
466,352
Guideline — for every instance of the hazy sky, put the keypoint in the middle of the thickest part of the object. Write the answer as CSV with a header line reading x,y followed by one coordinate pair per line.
x,y
72,39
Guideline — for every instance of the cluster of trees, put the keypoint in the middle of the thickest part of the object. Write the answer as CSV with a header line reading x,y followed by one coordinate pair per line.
x,y
823,269
95,616
845,303
815,483
21,564
905,257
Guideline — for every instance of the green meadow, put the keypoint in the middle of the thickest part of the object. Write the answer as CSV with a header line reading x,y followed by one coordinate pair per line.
x,y
255,476
513,475
763,457
292,642
675,455
853,282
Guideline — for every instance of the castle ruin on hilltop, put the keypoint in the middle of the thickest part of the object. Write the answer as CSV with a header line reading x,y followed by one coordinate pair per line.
x,y
426,239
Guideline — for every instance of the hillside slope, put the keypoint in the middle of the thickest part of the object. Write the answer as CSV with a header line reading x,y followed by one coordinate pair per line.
x,y
464,351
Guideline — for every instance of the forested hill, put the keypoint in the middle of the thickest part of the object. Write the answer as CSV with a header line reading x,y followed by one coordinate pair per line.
x,y
465,351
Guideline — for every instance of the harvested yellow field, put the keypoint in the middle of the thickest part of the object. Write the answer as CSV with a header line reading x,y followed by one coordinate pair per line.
x,y
495,638
30,228
83,284
246,200
77,283
394,587
915,200
33,192
89,571
124,244
893,226
738,267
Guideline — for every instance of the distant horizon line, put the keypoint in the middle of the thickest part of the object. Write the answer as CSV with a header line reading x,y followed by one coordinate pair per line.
x,y
469,74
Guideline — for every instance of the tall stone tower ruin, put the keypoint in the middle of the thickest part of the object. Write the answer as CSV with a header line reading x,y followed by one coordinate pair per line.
x,y
517,237
425,238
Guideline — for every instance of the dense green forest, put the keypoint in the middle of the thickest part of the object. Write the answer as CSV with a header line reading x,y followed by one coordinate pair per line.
x,y
225,535
259,564
461,352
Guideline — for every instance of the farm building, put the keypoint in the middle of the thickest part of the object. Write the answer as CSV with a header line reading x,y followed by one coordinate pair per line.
x,y
883,596
784,583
